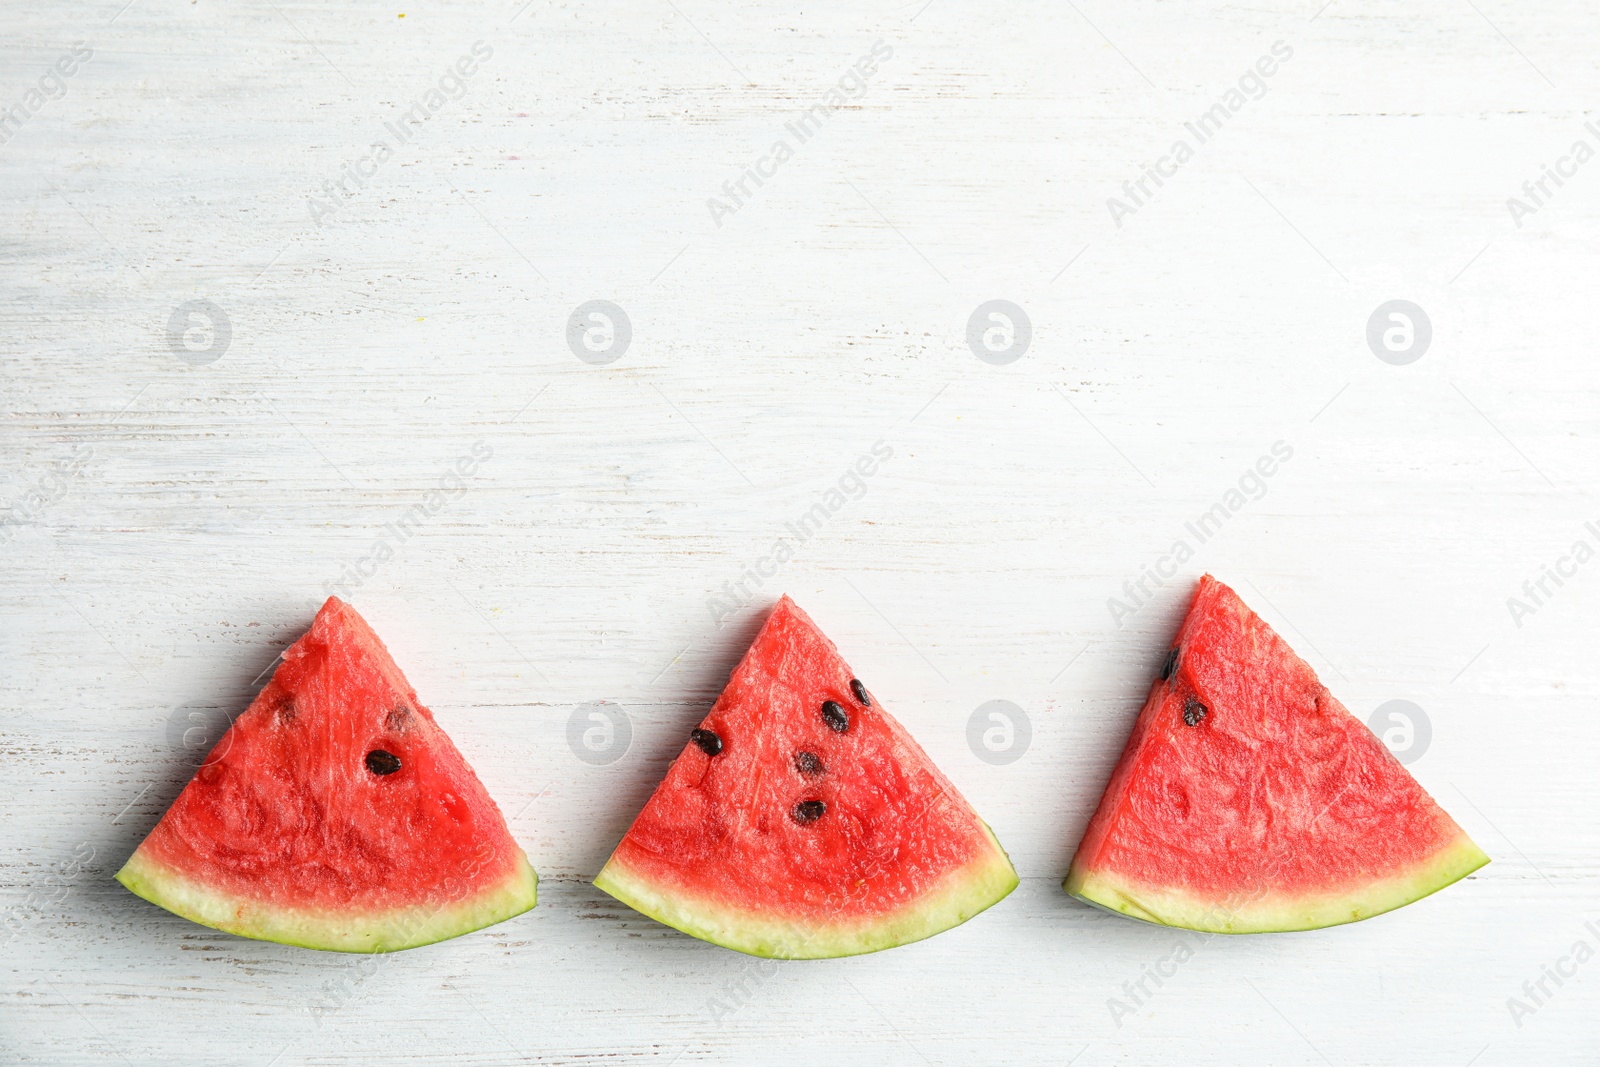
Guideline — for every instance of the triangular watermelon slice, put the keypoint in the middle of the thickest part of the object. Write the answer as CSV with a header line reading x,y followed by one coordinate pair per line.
x,y
801,821
335,814
1248,799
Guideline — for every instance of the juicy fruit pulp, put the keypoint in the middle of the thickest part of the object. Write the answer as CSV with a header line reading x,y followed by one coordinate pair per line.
x,y
1248,799
816,828
335,814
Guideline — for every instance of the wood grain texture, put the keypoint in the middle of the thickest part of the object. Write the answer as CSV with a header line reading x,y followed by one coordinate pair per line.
x,y
171,526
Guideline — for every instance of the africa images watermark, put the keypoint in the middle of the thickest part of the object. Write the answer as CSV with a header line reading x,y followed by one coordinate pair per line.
x,y
877,856
46,489
852,84
55,888
1538,191
339,990
52,85
451,85
1218,919
1138,992
851,485
1537,992
737,992
1252,86
452,483
599,732
1251,486
1537,592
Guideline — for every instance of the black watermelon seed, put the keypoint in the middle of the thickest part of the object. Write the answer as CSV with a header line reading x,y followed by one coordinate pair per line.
x,y
835,716
286,710
1193,712
808,764
808,811
861,692
381,762
1169,664
708,741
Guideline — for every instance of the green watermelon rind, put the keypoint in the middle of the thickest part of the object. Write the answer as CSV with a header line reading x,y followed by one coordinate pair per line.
x,y
1263,912
963,894
350,930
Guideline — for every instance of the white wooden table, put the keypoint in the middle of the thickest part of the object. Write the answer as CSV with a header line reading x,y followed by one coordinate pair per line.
x,y
219,396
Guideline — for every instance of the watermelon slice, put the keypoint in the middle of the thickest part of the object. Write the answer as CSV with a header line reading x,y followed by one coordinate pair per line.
x,y
335,814
1248,799
801,821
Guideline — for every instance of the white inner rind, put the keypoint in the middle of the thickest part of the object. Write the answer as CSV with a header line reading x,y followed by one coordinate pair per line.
x,y
339,931
961,895
1266,911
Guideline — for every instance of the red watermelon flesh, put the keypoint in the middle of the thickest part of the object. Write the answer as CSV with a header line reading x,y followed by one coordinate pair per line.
x,y
335,814
802,821
1249,799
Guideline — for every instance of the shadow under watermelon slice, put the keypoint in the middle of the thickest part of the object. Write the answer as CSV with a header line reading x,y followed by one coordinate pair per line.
x,y
801,821
1249,800
335,814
